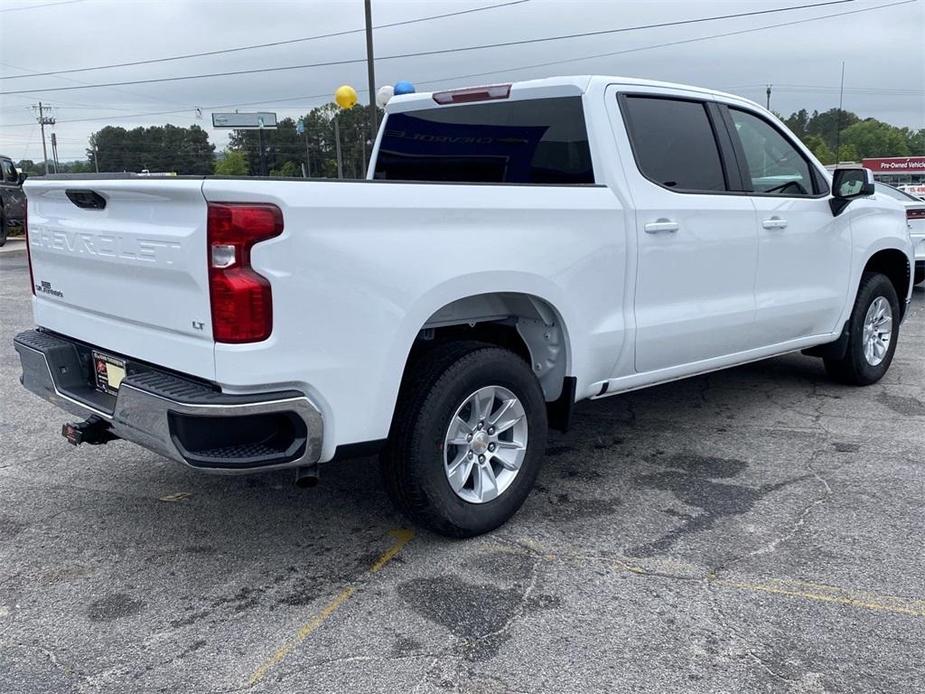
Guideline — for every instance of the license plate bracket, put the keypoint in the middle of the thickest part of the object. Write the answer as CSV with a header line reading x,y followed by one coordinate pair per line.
x,y
108,372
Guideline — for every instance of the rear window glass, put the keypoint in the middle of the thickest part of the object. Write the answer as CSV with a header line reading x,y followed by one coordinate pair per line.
x,y
532,141
674,144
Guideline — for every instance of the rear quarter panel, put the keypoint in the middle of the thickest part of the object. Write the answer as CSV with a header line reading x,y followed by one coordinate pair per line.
x,y
361,266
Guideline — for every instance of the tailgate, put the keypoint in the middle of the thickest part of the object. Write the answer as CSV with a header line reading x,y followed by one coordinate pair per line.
x,y
130,278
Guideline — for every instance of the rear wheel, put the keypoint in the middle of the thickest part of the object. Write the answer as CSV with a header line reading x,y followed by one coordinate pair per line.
x,y
873,329
2,230
468,439
919,273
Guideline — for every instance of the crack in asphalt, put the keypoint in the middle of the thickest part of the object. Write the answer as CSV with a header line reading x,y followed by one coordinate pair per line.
x,y
724,623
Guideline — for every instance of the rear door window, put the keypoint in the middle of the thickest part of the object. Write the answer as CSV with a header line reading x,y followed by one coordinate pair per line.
x,y
674,143
541,141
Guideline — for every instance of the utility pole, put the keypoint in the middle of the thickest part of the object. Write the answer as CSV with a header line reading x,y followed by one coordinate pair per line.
x,y
768,103
263,151
371,74
54,151
308,157
96,158
340,161
841,101
43,121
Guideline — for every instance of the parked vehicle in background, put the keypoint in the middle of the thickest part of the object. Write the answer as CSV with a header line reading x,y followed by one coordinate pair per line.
x,y
12,198
915,218
518,249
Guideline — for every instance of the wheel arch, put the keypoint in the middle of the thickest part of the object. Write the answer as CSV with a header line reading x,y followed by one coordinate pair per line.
x,y
525,313
895,264
525,323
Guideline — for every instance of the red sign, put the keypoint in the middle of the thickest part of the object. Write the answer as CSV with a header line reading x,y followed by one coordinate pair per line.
x,y
895,164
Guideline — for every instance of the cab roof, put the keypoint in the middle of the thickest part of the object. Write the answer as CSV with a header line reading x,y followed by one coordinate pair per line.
x,y
566,85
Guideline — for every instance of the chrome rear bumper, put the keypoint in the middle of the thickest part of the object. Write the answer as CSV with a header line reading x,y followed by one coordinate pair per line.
x,y
179,418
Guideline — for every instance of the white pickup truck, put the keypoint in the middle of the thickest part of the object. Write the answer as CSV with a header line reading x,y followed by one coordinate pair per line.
x,y
517,248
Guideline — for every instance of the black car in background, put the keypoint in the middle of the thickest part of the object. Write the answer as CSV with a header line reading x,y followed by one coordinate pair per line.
x,y
12,198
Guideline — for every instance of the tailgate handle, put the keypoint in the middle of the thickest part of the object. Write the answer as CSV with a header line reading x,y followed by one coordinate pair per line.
x,y
87,199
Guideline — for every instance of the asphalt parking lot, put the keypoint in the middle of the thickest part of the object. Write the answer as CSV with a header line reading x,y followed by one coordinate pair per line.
x,y
760,529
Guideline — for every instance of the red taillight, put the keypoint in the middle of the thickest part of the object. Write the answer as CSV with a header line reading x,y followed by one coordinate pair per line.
x,y
25,229
464,96
242,301
915,213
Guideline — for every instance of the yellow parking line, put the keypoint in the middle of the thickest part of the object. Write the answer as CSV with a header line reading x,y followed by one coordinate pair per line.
x,y
805,590
402,537
303,633
841,596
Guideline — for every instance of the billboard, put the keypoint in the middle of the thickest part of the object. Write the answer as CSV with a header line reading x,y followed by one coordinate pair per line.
x,y
244,121
897,165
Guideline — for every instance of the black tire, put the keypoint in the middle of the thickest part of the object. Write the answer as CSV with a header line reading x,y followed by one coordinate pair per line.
x,y
919,274
2,230
413,461
853,368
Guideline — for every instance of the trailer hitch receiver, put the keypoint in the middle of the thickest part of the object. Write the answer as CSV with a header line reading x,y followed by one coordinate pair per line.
x,y
93,431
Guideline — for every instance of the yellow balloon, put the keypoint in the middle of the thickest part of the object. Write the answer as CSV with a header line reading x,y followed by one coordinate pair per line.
x,y
345,96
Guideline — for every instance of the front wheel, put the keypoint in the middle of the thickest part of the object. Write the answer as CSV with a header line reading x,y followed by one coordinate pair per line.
x,y
3,231
873,329
468,439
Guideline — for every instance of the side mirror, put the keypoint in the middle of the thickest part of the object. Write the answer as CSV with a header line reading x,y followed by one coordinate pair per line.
x,y
21,178
848,185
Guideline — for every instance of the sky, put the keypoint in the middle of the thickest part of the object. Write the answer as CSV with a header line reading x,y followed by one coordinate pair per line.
x,y
883,52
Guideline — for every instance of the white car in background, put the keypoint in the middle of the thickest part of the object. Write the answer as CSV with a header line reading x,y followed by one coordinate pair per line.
x,y
915,218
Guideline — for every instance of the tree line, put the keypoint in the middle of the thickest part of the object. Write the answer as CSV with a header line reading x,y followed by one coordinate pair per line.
x,y
287,152
854,137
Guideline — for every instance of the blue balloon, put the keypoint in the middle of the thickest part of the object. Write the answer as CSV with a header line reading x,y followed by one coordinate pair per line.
x,y
404,87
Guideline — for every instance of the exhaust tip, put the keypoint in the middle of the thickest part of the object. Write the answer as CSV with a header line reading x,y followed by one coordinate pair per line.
x,y
307,477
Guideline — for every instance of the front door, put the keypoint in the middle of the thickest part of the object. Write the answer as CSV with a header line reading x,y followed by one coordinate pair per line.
x,y
697,242
804,252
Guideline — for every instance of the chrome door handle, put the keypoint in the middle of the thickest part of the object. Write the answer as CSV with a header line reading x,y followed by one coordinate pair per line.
x,y
774,223
661,225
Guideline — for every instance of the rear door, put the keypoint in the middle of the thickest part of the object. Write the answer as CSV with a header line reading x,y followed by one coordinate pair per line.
x,y
697,243
804,252
121,264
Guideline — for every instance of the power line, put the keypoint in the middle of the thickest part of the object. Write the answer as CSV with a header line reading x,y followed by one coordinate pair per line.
x,y
271,44
503,44
74,81
669,44
514,68
37,7
815,87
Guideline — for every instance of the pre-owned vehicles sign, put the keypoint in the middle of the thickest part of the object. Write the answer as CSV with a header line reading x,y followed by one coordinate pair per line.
x,y
895,164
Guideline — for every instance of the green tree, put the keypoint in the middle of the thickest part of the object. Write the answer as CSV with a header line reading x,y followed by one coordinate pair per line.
x,y
848,153
316,147
798,122
819,148
233,163
873,138
289,169
916,142
27,166
166,148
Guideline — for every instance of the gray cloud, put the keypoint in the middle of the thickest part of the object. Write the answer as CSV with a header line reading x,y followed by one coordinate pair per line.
x,y
883,50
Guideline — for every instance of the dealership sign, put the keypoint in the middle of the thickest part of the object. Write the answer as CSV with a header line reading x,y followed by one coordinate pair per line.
x,y
895,164
244,121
